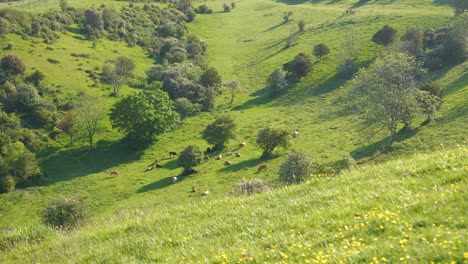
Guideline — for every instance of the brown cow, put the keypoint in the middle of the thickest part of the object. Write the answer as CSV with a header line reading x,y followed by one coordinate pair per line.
x,y
114,172
262,167
237,154
219,157
242,144
227,162
193,189
172,154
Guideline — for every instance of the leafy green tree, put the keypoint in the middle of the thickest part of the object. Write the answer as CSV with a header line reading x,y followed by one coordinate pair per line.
x,y
35,78
211,78
90,113
94,23
269,138
300,66
301,25
144,114
297,168
64,5
69,124
118,72
320,50
413,41
276,81
190,157
220,131
384,36
26,97
385,94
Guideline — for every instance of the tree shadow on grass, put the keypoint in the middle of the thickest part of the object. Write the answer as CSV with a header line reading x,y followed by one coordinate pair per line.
x,y
252,163
163,183
259,97
382,146
73,163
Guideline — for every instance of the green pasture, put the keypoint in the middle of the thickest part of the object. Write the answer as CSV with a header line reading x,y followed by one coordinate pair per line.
x,y
246,44
405,211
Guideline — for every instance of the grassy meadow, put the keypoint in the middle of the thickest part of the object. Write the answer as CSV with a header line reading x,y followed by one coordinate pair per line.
x,y
405,211
408,209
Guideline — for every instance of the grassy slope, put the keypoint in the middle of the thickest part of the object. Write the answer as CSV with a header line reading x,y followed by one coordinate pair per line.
x,y
246,44
405,211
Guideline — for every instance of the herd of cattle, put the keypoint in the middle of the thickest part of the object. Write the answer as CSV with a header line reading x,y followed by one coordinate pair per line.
x,y
172,154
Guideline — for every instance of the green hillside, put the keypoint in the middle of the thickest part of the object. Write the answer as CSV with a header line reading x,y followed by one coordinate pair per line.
x,y
327,219
405,211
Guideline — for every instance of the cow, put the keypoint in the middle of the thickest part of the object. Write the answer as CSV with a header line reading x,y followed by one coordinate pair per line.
x,y
114,172
150,168
157,165
262,167
227,162
172,154
219,157
174,179
237,154
242,144
229,154
206,158
193,190
206,192
295,134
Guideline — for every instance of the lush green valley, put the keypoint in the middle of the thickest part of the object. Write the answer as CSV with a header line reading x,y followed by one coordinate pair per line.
x,y
401,203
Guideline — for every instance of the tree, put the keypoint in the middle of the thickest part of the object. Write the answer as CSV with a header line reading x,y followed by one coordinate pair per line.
x,y
233,89
269,138
26,97
211,78
300,66
90,113
220,131
320,50
385,94
12,65
118,72
64,5
94,23
287,16
35,78
144,115
226,7
384,36
297,168
413,41
69,124
190,157
276,81
301,25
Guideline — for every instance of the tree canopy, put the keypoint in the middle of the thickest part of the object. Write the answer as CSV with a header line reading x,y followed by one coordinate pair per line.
x,y
144,114
386,93
220,131
269,138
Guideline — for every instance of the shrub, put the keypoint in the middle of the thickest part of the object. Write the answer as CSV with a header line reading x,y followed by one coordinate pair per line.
x,y
344,163
252,186
26,97
220,131
203,9
226,7
297,168
300,66
384,36
320,50
12,64
7,184
185,108
347,69
65,213
301,25
190,157
276,81
269,138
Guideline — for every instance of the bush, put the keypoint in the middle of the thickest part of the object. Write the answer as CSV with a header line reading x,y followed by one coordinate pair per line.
x,y
26,97
384,36
347,69
276,81
300,66
7,184
345,163
297,168
65,213
320,50
185,108
220,131
190,157
12,64
269,138
252,186
203,9
226,7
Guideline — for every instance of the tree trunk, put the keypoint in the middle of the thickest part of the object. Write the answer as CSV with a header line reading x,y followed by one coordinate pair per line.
x,y
91,142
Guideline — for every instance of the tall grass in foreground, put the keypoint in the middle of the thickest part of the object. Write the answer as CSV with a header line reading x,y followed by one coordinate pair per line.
x,y
410,210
